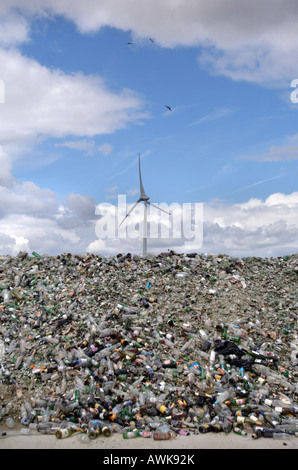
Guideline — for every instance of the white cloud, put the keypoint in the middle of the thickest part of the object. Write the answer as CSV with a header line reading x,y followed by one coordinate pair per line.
x,y
106,148
42,102
86,146
82,206
247,40
14,29
254,228
112,189
133,192
26,198
285,152
6,178
33,218
288,200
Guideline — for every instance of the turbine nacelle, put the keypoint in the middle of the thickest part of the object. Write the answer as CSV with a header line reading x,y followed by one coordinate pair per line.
x,y
143,198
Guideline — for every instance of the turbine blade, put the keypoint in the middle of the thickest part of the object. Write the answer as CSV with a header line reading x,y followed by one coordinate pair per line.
x,y
140,177
135,204
159,208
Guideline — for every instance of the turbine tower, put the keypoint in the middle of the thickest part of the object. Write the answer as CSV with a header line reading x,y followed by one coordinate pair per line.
x,y
145,199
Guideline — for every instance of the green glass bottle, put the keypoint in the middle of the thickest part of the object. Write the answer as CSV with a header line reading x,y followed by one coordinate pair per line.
x,y
239,431
131,434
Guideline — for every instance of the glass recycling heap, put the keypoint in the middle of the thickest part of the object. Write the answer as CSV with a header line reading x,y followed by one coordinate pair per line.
x,y
156,346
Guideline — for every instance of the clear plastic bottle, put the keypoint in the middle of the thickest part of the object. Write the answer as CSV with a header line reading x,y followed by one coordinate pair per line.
x,y
223,396
84,438
44,428
10,423
187,345
61,365
23,414
288,428
226,423
281,435
212,357
19,360
105,352
280,406
162,433
2,350
117,408
25,431
110,366
6,294
162,436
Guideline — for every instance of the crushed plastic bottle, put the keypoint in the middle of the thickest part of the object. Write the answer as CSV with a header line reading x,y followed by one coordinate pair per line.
x,y
163,433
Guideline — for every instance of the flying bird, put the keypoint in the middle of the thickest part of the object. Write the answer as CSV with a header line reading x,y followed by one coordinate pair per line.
x,y
129,43
170,109
151,40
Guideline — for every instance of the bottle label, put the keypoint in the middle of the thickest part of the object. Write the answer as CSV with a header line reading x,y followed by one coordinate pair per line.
x,y
212,356
64,433
131,434
253,418
240,401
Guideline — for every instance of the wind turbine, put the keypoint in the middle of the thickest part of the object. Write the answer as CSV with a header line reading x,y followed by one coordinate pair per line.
x,y
145,199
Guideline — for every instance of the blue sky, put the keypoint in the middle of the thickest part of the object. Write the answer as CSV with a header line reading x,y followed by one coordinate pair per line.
x,y
81,104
